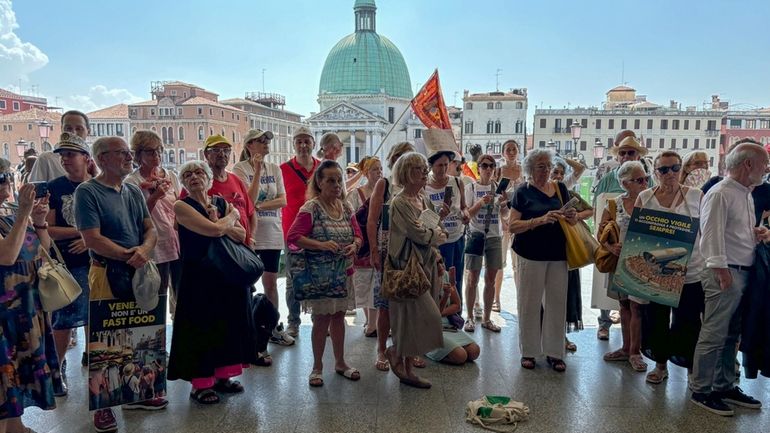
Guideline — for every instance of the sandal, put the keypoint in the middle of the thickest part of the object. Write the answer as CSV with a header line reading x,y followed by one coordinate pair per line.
x,y
382,365
528,363
316,379
618,355
490,326
350,374
657,376
470,325
637,363
395,362
556,364
496,307
370,334
205,396
416,382
572,347
264,360
418,362
228,386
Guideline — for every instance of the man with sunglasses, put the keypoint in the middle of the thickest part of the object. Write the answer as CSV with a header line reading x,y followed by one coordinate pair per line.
x,y
627,148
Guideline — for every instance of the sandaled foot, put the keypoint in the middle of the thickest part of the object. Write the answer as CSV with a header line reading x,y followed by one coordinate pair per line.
x,y
316,379
496,307
572,347
228,386
470,325
382,364
528,363
618,355
370,334
264,360
490,326
556,364
637,363
204,396
657,376
416,382
395,363
349,373
418,362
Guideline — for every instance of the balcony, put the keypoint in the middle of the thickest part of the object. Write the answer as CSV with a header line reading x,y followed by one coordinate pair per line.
x,y
712,132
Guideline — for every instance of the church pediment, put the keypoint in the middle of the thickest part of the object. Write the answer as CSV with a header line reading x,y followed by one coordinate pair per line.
x,y
345,111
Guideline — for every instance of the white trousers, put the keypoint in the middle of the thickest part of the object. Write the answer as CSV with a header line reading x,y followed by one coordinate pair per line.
x,y
542,284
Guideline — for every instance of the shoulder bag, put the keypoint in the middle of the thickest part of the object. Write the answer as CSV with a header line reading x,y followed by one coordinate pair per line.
x,y
476,241
581,245
408,283
606,261
56,285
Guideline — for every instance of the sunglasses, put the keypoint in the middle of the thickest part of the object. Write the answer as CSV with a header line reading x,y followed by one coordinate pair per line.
x,y
626,153
665,169
639,180
485,165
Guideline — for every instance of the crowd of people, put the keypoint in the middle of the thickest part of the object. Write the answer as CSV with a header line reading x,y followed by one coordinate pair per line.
x,y
427,224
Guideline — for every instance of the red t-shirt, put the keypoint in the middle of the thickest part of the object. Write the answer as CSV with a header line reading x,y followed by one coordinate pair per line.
x,y
234,191
296,188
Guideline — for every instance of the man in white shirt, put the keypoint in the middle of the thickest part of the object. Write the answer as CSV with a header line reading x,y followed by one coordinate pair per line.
x,y
728,239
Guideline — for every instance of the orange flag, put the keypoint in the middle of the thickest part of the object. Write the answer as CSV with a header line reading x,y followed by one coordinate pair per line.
x,y
429,105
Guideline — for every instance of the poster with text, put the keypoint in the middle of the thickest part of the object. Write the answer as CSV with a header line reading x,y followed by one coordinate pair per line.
x,y
653,261
126,353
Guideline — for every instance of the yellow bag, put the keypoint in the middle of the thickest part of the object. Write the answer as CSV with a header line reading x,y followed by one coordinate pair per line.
x,y
580,244
604,259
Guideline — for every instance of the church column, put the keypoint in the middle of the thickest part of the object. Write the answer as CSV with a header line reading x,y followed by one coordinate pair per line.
x,y
352,146
369,149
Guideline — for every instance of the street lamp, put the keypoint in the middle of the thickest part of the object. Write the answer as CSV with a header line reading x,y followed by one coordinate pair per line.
x,y
576,129
44,130
598,152
551,146
21,147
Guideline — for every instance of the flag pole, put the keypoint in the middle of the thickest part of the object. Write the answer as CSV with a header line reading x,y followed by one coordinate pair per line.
x,y
392,128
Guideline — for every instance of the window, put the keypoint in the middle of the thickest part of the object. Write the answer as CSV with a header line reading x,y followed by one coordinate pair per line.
x,y
29,127
624,124
2,107
649,123
711,161
164,135
673,143
223,132
584,123
179,111
637,123
181,156
490,127
598,123
181,134
735,123
498,127
498,105
696,143
557,125
490,106
610,142
519,127
611,124
519,105
684,143
223,113
200,133
391,114
751,124
583,145
568,124
6,154
233,136
211,131
418,133
686,124
170,135
152,111
541,144
648,143
469,127
662,143
119,129
173,93
675,124
542,123
200,111
171,158
211,111
663,123
711,125
697,125
16,106
469,106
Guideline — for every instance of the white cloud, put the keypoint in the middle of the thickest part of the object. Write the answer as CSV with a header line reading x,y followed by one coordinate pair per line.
x,y
17,58
100,96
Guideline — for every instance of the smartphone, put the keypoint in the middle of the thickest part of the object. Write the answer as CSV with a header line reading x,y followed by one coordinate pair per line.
x,y
41,189
571,203
448,196
385,217
502,186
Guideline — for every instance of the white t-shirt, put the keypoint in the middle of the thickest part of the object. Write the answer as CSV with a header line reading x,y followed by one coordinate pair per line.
x,y
269,235
473,193
453,223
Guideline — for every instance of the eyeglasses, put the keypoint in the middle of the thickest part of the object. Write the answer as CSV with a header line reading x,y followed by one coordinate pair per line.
x,y
220,150
157,152
122,153
665,169
422,170
639,180
626,153
484,166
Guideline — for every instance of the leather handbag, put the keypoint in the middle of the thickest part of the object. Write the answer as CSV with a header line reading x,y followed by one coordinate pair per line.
x,y
604,260
237,264
408,283
580,244
56,285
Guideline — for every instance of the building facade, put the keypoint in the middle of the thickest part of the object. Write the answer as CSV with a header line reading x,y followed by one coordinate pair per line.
x,y
33,128
110,121
737,125
365,91
490,119
184,115
13,103
658,127
266,111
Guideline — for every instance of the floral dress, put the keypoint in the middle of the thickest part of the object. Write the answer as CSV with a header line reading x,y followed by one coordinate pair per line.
x,y
27,353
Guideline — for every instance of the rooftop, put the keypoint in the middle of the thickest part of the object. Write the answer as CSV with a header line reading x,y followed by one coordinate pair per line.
x,y
621,88
119,111
31,114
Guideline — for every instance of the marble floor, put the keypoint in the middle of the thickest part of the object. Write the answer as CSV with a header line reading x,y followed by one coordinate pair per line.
x,y
592,396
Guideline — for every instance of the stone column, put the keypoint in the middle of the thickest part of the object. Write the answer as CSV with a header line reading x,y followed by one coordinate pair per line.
x,y
369,148
352,146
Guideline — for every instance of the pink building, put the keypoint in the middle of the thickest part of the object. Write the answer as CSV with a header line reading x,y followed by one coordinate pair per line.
x,y
12,103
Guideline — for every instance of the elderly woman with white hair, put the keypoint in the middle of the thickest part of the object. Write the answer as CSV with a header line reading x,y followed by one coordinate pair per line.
x,y
212,336
540,245
415,322
633,179
695,169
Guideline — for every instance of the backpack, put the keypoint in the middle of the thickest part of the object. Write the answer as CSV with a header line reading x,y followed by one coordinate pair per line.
x,y
496,413
362,213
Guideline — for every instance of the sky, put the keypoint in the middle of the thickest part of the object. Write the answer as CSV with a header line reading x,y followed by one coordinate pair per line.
x,y
90,54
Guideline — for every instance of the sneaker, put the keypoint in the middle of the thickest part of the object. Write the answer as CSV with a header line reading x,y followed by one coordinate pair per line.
x,y
603,334
737,397
280,337
293,330
711,403
104,421
157,403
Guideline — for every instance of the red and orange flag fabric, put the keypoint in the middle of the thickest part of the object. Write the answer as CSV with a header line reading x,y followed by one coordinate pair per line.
x,y
429,105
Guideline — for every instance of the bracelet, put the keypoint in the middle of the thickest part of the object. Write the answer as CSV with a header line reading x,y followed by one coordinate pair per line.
x,y
44,226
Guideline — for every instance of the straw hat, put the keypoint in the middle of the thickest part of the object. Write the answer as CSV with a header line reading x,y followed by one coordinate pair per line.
x,y
629,142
